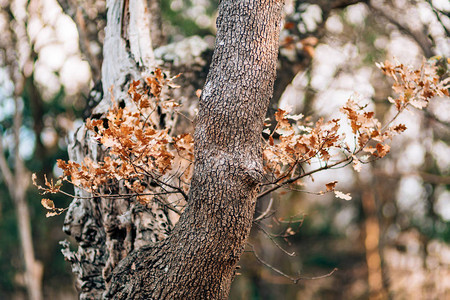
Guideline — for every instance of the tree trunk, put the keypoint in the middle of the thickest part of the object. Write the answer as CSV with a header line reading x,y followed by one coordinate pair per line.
x,y
17,183
105,229
33,268
17,178
197,261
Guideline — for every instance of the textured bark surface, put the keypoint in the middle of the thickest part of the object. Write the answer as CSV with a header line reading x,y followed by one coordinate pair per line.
x,y
197,261
199,258
107,230
90,18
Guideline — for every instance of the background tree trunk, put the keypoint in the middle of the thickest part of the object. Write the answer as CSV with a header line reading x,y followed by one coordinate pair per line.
x,y
14,44
18,180
21,180
107,230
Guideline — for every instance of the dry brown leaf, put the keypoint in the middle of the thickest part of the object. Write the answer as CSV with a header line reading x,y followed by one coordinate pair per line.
x,y
48,204
331,185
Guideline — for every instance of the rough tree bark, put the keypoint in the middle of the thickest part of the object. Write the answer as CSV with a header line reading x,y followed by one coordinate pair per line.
x,y
133,252
107,230
198,258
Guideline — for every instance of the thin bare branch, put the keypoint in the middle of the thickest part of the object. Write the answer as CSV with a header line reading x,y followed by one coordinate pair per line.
x,y
294,179
167,204
273,240
266,212
422,41
293,279
178,189
438,17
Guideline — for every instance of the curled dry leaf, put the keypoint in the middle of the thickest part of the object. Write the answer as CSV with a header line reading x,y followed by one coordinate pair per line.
x,y
399,128
382,150
415,87
331,185
51,214
48,204
138,150
357,165
298,143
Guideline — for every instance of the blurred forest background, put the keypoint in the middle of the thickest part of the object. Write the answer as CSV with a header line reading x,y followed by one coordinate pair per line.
x,y
391,241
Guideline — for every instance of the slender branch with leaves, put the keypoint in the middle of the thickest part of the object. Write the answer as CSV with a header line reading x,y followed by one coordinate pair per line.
x,y
153,164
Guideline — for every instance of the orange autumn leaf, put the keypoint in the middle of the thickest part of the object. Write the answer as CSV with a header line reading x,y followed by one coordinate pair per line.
x,y
331,185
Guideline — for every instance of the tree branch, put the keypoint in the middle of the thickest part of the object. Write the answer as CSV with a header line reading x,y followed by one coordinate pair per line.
x,y
295,280
422,41
274,242
294,179
438,17
266,212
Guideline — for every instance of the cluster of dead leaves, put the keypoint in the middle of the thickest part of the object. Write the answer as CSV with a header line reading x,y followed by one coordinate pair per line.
x,y
299,141
140,154
49,188
415,87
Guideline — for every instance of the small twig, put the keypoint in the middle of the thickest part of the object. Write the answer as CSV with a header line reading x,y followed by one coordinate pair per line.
x,y
391,121
273,241
168,205
347,160
292,220
288,224
266,212
98,195
162,201
307,192
421,40
179,189
183,115
295,280
436,12
286,174
178,152
268,191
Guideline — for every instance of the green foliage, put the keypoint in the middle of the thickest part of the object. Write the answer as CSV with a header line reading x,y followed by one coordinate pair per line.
x,y
184,24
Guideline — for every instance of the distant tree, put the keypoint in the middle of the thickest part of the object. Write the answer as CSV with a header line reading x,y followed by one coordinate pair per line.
x,y
16,175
